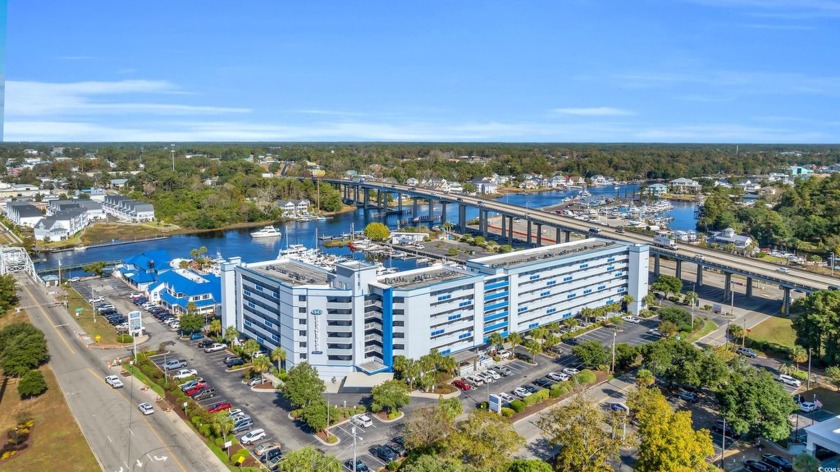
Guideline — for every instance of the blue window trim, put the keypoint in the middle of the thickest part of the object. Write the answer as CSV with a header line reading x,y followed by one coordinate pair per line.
x,y
465,335
495,305
534,277
566,279
444,297
494,296
533,325
465,303
454,317
503,283
438,332
495,316
522,308
571,295
388,327
495,326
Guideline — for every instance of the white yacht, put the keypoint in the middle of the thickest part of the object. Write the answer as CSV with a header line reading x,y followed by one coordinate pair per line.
x,y
267,232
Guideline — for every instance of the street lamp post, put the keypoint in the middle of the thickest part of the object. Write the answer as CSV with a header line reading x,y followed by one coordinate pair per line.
x,y
612,368
172,149
353,432
723,446
833,257
808,381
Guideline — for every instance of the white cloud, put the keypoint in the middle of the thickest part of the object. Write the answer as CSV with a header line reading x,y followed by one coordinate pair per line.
x,y
593,111
49,100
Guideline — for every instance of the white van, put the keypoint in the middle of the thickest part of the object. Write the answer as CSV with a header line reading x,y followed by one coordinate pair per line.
x,y
788,380
362,421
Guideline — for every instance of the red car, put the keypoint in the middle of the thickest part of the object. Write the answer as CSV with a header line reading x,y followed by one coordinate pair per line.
x,y
217,407
460,383
196,389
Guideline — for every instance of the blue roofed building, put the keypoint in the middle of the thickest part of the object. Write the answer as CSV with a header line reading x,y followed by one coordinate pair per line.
x,y
141,270
175,289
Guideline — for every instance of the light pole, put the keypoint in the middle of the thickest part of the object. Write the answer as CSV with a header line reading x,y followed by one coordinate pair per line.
x,y
59,274
612,368
693,302
808,381
723,446
833,257
172,149
353,432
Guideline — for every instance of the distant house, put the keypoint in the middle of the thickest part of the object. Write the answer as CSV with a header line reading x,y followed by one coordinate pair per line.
x,y
683,185
655,190
288,207
176,289
455,187
62,225
799,171
118,183
728,236
485,185
411,182
722,183
23,214
749,186
96,194
127,209
94,209
302,206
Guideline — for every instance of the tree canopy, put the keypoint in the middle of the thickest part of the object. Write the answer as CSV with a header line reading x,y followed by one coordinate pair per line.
x,y
754,401
303,386
8,293
377,231
818,324
308,459
592,353
390,396
23,347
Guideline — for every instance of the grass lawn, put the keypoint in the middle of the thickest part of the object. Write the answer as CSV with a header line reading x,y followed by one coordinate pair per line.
x,y
829,397
56,437
708,327
100,328
106,232
775,330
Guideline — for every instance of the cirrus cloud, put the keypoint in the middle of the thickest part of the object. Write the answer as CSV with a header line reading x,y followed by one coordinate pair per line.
x,y
593,111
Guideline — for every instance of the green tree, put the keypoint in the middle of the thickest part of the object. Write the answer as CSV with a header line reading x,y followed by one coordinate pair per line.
x,y
191,323
496,339
484,440
668,329
8,293
644,378
215,327
251,347
222,425
832,373
31,385
429,425
429,463
97,268
533,347
798,354
678,316
303,385
691,298
551,341
514,339
22,348
231,333
818,324
390,396
673,360
577,429
377,231
625,356
592,353
278,355
667,440
261,364
314,414
806,463
450,408
529,465
754,401
308,459
667,284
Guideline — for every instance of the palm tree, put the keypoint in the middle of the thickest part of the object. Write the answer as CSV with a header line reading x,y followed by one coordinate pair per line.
x,y
787,369
551,340
448,364
261,364
627,300
215,327
553,327
587,313
231,333
534,348
411,372
798,355
691,298
514,339
278,355
649,299
538,334
570,323
222,425
496,340
251,347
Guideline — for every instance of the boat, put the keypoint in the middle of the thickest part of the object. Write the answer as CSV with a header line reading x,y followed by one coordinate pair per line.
x,y
293,249
267,232
80,248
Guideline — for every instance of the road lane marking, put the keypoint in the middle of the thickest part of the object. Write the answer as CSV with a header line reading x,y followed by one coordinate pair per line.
x,y
44,312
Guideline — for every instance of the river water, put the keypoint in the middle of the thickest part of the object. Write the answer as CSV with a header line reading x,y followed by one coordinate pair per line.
x,y
238,242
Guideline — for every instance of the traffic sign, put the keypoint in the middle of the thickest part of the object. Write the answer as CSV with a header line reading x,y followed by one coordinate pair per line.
x,y
79,310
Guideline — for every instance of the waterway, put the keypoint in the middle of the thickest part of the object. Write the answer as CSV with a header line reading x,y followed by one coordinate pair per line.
x,y
238,242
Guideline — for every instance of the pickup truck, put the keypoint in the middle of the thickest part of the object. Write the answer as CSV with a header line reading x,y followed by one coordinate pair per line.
x,y
174,364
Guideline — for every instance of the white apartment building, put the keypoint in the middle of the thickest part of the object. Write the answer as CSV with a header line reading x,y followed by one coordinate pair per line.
x,y
353,320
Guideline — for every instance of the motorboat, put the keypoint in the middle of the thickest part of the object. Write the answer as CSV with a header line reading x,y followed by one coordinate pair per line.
x,y
267,232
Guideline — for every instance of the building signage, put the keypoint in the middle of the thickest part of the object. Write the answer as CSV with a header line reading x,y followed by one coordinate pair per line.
x,y
495,403
316,328
135,322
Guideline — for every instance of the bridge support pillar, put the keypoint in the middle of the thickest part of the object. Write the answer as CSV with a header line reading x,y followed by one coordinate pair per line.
x,y
366,198
678,270
399,205
483,222
786,302
528,230
539,234
355,194
415,209
442,212
656,265
699,282
462,218
749,287
504,226
510,231
558,235
727,286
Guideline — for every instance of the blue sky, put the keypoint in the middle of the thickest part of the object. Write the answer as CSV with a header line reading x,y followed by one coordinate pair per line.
x,y
730,71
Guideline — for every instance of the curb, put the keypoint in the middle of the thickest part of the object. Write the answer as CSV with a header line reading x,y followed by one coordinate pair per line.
x,y
401,416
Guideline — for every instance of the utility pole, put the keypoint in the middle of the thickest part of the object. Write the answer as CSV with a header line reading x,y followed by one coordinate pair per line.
x,y
353,432
172,149
612,368
727,334
723,446
744,333
808,381
833,256
693,302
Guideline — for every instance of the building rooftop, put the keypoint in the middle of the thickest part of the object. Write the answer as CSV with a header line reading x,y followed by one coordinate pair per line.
x,y
294,273
423,277
557,251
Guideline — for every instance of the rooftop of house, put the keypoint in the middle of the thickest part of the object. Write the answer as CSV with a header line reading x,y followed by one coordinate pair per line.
x,y
149,260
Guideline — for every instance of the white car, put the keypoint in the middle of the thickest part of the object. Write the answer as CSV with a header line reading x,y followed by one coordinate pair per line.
x,y
493,374
654,332
630,319
570,371
361,421
788,380
699,257
96,300
521,392
506,397
475,380
146,408
486,377
185,373
114,381
252,436
807,407
235,412
215,347
783,270
558,376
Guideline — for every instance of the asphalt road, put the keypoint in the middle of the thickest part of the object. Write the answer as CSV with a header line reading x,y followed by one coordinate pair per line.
x,y
121,438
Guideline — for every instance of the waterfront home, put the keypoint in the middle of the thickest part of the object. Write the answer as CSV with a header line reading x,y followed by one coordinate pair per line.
x,y
302,207
412,182
456,187
722,183
118,183
23,214
62,225
140,270
655,190
799,171
683,185
287,206
749,186
127,209
94,209
485,185
728,236
176,289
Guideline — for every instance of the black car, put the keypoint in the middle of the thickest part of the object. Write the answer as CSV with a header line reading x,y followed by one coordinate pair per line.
x,y
572,341
271,455
543,383
397,448
401,441
778,462
688,396
205,343
531,388
360,466
718,428
235,362
755,466
384,452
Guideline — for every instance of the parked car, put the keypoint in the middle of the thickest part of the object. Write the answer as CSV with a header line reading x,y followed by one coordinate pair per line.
x,y
360,465
397,448
778,462
234,362
361,421
114,381
204,344
719,428
506,397
502,369
620,407
272,456
384,452
252,436
461,384
503,354
521,392
688,396
756,466
204,394
558,376
475,380
243,424
174,364
630,319
214,347
264,448
492,374
788,380
196,336
196,388
146,408
487,377
184,374
543,383
654,332
807,407
570,371
191,385
747,352
218,406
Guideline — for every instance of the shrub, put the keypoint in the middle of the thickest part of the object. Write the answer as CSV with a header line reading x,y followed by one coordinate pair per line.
x,y
483,406
32,384
536,397
220,442
124,338
585,376
507,412
559,389
239,455
799,375
204,429
393,415
517,406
